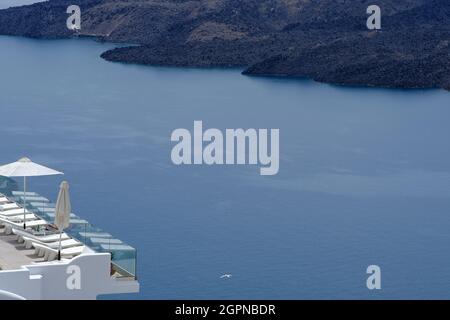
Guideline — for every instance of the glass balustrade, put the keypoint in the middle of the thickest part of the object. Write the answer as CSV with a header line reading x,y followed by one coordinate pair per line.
x,y
123,256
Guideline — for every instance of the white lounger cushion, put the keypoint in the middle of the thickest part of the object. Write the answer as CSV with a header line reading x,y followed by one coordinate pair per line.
x,y
116,247
78,221
46,238
18,218
9,206
13,212
35,223
9,225
21,193
4,200
51,254
105,241
95,234
13,219
34,198
52,214
68,243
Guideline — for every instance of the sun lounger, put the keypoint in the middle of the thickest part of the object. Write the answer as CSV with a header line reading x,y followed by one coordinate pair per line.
x,y
33,198
44,238
13,212
4,200
46,209
51,254
20,193
28,217
67,243
105,241
116,247
8,206
52,214
9,225
78,221
18,218
40,204
94,234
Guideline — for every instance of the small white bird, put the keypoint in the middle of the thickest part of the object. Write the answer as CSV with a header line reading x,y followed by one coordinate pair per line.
x,y
225,276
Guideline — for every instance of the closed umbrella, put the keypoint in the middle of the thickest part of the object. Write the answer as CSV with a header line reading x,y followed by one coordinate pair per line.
x,y
24,167
62,211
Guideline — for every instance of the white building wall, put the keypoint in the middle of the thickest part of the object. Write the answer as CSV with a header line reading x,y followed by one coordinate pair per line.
x,y
50,280
19,282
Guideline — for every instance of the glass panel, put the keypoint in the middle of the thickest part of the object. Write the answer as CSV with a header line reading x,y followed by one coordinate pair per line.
x,y
123,256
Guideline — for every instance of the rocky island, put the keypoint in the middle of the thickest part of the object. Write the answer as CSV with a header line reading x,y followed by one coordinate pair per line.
x,y
324,40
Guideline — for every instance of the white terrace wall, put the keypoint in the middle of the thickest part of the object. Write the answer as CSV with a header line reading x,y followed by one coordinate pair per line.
x,y
58,280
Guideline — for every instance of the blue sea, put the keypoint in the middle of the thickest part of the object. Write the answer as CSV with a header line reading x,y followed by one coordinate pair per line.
x,y
364,174
15,3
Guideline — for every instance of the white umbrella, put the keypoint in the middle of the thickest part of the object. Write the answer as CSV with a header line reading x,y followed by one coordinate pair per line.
x,y
62,211
24,167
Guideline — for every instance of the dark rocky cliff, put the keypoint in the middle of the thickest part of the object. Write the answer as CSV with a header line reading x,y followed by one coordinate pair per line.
x,y
325,40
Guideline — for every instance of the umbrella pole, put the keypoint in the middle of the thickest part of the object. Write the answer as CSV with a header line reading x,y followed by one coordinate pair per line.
x,y
24,201
59,250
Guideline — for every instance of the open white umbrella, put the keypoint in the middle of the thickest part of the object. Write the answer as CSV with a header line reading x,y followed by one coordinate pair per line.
x,y
24,167
62,211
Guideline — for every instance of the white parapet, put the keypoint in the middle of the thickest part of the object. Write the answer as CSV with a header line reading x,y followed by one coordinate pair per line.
x,y
83,277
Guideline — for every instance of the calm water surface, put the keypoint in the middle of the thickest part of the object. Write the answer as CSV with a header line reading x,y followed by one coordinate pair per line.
x,y
15,3
364,174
